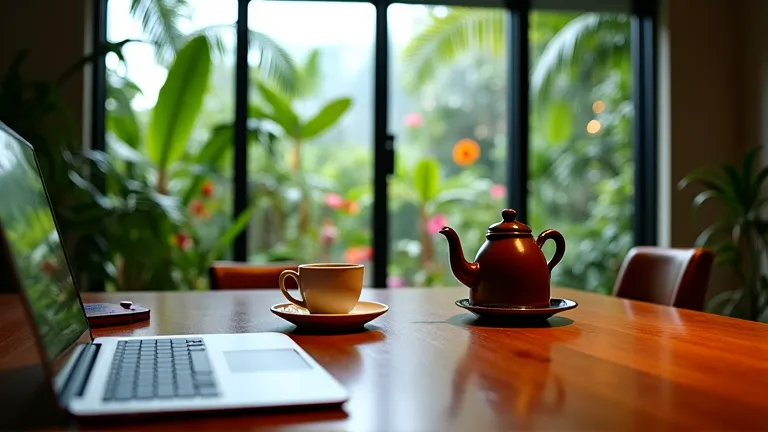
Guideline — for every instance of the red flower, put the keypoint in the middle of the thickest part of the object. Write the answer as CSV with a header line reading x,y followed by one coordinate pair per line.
x,y
183,241
358,254
207,189
413,120
49,267
436,223
334,201
498,191
198,209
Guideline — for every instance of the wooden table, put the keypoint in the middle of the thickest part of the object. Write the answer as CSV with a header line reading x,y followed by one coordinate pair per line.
x,y
426,365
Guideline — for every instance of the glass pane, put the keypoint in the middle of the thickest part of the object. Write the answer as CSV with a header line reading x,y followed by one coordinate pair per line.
x,y
170,107
448,114
310,161
581,162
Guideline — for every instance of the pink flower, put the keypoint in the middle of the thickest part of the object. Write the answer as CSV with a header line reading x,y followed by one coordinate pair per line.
x,y
395,282
413,120
334,200
328,233
436,223
498,191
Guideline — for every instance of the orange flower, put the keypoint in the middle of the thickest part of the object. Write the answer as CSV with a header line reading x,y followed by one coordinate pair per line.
x,y
466,152
358,254
207,189
351,207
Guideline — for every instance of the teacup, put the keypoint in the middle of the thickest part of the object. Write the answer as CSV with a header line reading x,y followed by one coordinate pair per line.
x,y
326,288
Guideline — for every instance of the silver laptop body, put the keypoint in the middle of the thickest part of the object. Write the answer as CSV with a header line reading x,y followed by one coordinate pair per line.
x,y
128,376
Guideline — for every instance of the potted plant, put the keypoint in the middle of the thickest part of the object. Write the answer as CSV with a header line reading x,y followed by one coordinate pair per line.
x,y
739,238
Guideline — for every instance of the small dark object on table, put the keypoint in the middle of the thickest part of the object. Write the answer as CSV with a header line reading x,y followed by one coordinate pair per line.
x,y
110,314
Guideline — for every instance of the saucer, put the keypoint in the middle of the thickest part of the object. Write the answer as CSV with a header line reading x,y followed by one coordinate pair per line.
x,y
519,312
363,312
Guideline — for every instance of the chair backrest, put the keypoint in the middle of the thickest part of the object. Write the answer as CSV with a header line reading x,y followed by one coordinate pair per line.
x,y
667,276
235,275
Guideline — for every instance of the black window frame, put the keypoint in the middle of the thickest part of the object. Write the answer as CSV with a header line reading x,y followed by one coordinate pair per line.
x,y
644,29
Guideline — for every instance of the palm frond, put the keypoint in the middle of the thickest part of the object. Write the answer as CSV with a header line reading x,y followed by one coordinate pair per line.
x,y
215,35
310,75
159,22
595,32
275,64
447,38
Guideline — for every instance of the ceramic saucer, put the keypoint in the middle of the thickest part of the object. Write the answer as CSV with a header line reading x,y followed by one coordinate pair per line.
x,y
519,312
362,313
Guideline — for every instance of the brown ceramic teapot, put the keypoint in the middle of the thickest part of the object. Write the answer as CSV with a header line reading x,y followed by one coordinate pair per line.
x,y
510,269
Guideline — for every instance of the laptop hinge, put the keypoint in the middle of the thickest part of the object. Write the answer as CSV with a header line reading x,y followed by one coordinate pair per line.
x,y
78,377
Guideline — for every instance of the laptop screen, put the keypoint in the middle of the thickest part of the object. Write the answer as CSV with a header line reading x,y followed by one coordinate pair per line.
x,y
36,251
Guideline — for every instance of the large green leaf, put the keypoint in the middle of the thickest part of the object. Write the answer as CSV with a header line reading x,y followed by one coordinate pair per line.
x,y
559,122
426,179
326,118
281,111
179,103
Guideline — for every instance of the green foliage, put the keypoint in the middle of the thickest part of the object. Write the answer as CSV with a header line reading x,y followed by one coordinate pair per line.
x,y
159,22
447,38
560,122
325,118
426,179
739,238
178,103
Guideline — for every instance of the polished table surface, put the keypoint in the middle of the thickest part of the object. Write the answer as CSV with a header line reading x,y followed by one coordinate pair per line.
x,y
610,364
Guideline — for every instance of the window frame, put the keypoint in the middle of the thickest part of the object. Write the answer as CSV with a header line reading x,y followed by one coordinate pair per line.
x,y
644,15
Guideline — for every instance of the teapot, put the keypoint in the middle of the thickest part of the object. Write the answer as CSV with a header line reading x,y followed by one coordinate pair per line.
x,y
510,270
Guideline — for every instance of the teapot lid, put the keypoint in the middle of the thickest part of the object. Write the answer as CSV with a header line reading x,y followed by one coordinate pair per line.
x,y
509,224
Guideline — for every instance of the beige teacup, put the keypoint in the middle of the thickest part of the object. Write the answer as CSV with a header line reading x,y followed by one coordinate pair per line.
x,y
326,288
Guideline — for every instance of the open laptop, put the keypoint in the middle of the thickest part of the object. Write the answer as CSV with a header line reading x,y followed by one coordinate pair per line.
x,y
125,375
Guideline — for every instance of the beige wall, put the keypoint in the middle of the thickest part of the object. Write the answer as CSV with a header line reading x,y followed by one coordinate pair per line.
x,y
713,102
54,32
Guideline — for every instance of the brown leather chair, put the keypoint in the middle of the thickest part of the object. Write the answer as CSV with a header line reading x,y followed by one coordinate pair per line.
x,y
667,276
235,275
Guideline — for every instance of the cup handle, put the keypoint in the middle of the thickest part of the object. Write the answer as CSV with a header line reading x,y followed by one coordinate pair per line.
x,y
284,290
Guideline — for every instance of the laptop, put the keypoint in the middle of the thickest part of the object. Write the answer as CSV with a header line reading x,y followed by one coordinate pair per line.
x,y
121,376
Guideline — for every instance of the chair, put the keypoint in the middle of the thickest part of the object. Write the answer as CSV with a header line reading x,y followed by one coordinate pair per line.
x,y
235,275
667,276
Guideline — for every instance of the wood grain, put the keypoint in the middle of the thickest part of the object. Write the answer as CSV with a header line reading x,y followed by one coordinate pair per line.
x,y
610,364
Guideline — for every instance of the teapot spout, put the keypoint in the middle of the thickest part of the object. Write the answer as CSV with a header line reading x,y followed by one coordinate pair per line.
x,y
465,272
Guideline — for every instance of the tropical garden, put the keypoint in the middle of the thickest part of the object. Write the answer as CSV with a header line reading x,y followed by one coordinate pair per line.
x,y
165,211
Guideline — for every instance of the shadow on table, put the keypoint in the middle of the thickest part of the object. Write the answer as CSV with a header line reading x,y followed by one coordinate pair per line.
x,y
471,320
266,418
468,320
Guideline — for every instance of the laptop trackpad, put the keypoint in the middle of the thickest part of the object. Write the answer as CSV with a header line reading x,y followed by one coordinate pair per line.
x,y
268,360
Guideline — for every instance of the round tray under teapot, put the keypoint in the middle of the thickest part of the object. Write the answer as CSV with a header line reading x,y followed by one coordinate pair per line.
x,y
519,312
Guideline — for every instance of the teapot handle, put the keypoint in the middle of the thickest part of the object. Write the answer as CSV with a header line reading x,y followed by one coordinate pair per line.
x,y
551,234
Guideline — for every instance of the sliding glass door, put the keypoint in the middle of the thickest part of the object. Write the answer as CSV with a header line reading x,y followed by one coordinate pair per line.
x,y
354,130
449,120
311,175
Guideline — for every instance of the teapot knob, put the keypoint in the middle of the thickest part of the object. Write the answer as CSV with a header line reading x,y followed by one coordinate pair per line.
x,y
508,215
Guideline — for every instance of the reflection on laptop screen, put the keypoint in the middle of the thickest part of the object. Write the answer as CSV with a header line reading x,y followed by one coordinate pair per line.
x,y
36,249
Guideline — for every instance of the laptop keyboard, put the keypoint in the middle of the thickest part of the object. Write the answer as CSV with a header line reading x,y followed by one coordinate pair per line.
x,y
160,369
